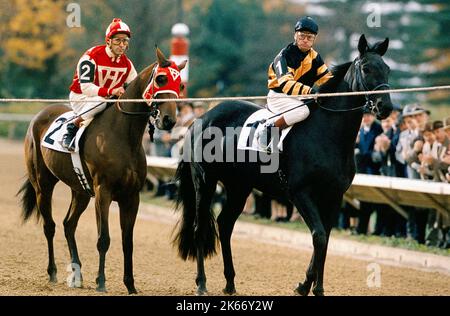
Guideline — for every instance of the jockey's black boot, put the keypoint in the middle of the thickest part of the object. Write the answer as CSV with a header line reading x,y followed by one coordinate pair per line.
x,y
68,138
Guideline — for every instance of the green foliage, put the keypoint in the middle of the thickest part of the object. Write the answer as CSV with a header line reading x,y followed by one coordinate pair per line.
x,y
236,42
4,129
13,130
232,42
21,108
418,31
17,130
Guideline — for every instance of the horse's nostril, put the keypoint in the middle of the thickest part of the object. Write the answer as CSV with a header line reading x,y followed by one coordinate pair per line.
x,y
168,122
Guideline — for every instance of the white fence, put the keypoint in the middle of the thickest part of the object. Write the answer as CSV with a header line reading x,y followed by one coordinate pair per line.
x,y
13,120
13,117
396,192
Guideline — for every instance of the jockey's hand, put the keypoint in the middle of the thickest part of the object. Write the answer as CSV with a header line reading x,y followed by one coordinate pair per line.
x,y
314,92
118,91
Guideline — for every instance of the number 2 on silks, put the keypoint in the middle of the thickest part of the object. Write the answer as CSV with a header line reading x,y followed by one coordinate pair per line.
x,y
49,138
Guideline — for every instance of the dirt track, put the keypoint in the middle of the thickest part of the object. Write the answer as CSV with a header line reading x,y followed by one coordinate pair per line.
x,y
260,269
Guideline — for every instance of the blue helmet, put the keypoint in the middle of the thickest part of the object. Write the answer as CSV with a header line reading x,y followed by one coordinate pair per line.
x,y
307,24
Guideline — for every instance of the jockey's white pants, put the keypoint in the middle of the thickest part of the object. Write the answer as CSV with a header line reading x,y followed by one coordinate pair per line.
x,y
85,103
278,102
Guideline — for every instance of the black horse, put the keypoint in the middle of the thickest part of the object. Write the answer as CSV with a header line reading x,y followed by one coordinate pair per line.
x,y
317,164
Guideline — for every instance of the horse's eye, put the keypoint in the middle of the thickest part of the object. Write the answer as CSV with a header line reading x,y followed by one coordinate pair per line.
x,y
181,87
366,70
161,81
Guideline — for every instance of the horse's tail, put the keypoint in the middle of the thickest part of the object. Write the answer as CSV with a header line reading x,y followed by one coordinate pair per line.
x,y
197,227
28,198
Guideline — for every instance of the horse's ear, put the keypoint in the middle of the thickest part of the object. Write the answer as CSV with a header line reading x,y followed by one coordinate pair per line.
x,y
381,48
362,45
162,60
182,65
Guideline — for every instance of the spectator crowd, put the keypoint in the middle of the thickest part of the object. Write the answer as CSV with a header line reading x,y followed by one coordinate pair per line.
x,y
407,144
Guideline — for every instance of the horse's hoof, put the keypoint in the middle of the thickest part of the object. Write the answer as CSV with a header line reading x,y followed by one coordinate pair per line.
x,y
229,290
132,291
75,282
201,291
318,292
302,289
52,278
100,281
78,284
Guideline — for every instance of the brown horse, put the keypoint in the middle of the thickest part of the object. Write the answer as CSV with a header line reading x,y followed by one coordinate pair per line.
x,y
112,152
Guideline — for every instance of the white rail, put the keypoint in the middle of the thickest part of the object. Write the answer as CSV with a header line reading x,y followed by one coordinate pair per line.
x,y
321,95
396,192
13,117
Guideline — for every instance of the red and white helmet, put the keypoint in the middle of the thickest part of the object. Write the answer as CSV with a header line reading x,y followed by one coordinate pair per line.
x,y
117,26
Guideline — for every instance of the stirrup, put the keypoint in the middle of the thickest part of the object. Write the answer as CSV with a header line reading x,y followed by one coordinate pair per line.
x,y
265,147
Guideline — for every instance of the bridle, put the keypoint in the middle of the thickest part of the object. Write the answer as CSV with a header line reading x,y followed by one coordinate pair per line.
x,y
154,110
370,105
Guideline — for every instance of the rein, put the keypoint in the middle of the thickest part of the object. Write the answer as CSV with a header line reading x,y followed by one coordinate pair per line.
x,y
154,112
369,103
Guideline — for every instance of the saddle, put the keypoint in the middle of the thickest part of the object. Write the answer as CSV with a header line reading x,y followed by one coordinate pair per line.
x,y
247,138
53,139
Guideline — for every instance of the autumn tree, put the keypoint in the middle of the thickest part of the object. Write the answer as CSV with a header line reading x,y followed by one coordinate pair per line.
x,y
34,35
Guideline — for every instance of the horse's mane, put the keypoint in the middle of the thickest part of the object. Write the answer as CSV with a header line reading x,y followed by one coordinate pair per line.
x,y
140,78
338,72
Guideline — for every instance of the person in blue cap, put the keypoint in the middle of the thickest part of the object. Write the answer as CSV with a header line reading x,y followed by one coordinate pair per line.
x,y
297,70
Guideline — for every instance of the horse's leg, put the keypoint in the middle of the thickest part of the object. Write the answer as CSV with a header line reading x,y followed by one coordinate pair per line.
x,y
44,205
80,201
329,209
310,214
319,268
128,211
204,195
236,198
200,280
304,288
103,200
43,182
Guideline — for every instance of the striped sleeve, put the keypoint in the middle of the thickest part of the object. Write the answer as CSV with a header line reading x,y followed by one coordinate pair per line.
x,y
280,75
86,73
285,81
323,74
295,88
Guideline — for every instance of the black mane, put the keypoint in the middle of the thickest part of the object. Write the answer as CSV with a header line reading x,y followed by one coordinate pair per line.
x,y
338,72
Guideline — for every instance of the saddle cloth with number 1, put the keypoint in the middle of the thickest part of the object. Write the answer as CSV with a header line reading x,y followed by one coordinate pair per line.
x,y
247,139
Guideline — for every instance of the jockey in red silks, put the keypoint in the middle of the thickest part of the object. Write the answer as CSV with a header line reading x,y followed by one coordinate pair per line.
x,y
101,73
